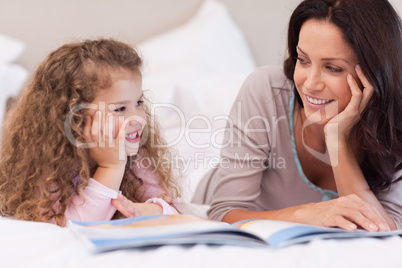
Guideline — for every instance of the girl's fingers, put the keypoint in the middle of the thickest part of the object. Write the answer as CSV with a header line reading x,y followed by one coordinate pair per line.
x,y
109,131
87,129
125,206
122,130
97,129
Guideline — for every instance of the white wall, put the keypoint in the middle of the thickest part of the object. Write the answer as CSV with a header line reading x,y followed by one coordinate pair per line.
x,y
266,25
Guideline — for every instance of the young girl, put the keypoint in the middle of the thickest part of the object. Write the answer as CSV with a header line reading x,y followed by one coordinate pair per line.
x,y
80,133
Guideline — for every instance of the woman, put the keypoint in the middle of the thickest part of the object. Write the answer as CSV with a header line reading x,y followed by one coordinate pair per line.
x,y
320,141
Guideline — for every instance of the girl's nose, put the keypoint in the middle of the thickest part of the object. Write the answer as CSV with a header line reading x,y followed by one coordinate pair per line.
x,y
134,123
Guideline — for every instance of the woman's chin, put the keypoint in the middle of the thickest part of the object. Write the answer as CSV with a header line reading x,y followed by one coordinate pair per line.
x,y
320,116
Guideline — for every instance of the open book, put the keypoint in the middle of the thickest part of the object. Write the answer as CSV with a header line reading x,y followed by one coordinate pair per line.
x,y
157,230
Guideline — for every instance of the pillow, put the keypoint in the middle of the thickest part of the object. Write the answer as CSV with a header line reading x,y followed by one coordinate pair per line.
x,y
193,74
193,122
10,49
209,44
12,78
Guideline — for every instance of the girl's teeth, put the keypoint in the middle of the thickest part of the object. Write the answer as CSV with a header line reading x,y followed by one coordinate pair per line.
x,y
315,101
132,135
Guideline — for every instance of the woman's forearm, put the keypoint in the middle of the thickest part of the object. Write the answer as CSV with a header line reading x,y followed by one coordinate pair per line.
x,y
349,178
287,214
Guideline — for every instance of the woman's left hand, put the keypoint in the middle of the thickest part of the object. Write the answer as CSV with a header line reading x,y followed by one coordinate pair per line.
x,y
342,123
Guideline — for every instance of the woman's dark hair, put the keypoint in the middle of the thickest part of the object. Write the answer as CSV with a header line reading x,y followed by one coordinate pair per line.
x,y
373,29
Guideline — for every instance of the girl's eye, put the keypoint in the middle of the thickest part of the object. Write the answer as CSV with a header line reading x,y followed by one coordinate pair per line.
x,y
121,109
139,103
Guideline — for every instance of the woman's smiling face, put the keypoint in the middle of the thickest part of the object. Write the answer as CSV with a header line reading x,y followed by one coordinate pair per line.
x,y
324,61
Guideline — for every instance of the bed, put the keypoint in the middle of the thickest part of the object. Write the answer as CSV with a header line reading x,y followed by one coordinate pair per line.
x,y
196,58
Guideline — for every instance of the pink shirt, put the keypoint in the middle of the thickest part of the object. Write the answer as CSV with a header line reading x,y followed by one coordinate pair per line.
x,y
96,204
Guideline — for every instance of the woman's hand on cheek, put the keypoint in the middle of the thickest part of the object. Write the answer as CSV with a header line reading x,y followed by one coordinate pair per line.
x,y
339,127
106,150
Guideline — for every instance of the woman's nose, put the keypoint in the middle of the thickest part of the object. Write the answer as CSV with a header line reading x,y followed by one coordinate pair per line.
x,y
314,81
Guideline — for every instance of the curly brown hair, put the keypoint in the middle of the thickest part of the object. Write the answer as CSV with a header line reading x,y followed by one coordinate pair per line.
x,y
38,163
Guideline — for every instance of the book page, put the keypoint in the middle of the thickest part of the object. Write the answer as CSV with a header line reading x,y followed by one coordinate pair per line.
x,y
264,228
146,226
280,233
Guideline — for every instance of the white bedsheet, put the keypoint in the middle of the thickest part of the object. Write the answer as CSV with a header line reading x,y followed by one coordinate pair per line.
x,y
31,244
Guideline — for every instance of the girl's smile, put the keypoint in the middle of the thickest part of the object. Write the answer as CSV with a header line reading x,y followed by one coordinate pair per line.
x,y
133,137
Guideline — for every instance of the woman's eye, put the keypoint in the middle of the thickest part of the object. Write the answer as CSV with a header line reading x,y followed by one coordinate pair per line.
x,y
121,109
139,103
334,69
301,60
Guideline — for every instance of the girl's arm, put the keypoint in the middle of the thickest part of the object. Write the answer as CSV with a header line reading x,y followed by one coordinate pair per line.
x,y
95,205
150,207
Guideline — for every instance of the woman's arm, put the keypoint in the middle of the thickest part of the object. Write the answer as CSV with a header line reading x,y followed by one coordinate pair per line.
x,y
347,173
347,212
238,188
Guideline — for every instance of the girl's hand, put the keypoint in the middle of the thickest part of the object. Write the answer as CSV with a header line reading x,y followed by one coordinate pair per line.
x,y
343,122
107,151
131,209
125,206
347,212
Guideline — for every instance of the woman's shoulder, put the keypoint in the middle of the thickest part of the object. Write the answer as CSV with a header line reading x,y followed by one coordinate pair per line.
x,y
268,78
267,82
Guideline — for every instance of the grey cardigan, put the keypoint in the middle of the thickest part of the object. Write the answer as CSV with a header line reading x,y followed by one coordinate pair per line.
x,y
259,167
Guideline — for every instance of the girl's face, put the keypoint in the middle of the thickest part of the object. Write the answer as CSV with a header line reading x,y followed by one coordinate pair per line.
x,y
122,103
323,63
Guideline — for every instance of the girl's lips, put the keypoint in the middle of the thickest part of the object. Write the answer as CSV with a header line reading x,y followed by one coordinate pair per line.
x,y
133,136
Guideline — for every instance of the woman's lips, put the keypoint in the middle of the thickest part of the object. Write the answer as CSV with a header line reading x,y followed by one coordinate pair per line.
x,y
316,101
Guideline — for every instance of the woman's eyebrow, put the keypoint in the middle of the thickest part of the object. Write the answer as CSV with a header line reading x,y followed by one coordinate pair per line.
x,y
298,48
328,59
